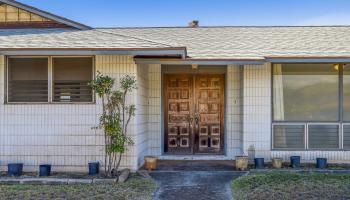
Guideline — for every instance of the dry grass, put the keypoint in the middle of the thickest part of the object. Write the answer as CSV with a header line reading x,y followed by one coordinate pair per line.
x,y
291,186
136,188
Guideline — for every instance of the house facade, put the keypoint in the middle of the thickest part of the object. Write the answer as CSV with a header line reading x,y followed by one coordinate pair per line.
x,y
204,93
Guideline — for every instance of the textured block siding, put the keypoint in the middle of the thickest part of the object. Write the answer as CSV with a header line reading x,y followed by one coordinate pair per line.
x,y
60,134
257,119
233,125
154,118
142,113
257,109
2,79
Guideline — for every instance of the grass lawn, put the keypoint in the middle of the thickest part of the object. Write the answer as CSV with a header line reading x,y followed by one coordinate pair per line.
x,y
135,188
291,186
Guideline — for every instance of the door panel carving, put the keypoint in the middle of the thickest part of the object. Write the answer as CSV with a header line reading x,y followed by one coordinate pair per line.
x,y
194,110
209,102
178,136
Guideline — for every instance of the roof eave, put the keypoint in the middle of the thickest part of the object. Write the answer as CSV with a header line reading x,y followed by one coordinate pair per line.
x,y
307,59
166,51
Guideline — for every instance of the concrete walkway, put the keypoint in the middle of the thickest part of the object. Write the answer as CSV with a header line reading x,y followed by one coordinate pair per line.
x,y
194,180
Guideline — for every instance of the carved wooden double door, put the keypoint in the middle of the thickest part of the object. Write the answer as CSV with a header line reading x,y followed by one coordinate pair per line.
x,y
194,113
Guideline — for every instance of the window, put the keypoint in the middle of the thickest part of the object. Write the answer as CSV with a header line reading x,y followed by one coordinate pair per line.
x,y
323,136
70,79
49,79
346,136
307,106
306,92
346,93
289,136
27,80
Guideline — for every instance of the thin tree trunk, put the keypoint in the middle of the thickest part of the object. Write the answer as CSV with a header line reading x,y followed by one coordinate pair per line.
x,y
104,131
119,160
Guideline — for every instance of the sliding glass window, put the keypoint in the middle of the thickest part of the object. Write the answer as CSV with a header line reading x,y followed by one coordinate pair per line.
x,y
307,97
346,93
306,92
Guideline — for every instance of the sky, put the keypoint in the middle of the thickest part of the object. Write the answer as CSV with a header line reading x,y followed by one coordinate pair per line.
x,y
155,13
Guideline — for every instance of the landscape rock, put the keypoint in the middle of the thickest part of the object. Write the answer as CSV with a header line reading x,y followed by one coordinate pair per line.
x,y
124,175
9,181
104,181
55,181
79,181
32,181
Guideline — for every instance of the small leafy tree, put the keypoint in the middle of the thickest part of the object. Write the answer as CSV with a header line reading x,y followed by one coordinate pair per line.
x,y
115,117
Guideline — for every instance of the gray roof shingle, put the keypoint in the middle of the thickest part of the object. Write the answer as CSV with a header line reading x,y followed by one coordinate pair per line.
x,y
71,38
201,43
251,42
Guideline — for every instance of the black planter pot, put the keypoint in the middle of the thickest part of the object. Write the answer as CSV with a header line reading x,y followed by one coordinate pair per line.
x,y
259,163
15,169
321,163
94,168
295,161
44,170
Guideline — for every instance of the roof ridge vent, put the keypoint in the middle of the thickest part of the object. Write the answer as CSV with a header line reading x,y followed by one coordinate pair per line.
x,y
193,24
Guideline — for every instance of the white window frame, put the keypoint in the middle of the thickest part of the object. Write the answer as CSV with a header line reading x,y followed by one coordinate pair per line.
x,y
50,79
289,149
344,124
327,123
306,136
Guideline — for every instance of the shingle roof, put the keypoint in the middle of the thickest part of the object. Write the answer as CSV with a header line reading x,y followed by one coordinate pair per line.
x,y
201,43
71,38
251,42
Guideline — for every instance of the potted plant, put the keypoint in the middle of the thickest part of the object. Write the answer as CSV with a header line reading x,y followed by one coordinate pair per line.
x,y
259,163
115,118
44,170
241,162
321,163
15,169
150,162
277,163
94,168
295,161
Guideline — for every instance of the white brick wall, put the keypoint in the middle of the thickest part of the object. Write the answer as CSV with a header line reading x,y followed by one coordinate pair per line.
x,y
60,134
233,115
257,119
141,142
155,134
257,109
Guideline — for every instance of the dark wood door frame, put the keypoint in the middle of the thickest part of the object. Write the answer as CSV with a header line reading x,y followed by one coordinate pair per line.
x,y
194,113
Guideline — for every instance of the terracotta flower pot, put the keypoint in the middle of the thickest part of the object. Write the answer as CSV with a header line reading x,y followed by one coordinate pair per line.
x,y
241,162
150,162
277,162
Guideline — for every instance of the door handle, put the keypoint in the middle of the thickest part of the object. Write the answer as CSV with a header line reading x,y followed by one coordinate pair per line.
x,y
197,119
190,120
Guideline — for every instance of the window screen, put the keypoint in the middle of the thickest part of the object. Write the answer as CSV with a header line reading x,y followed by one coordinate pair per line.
x,y
289,136
346,136
70,79
323,136
27,80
